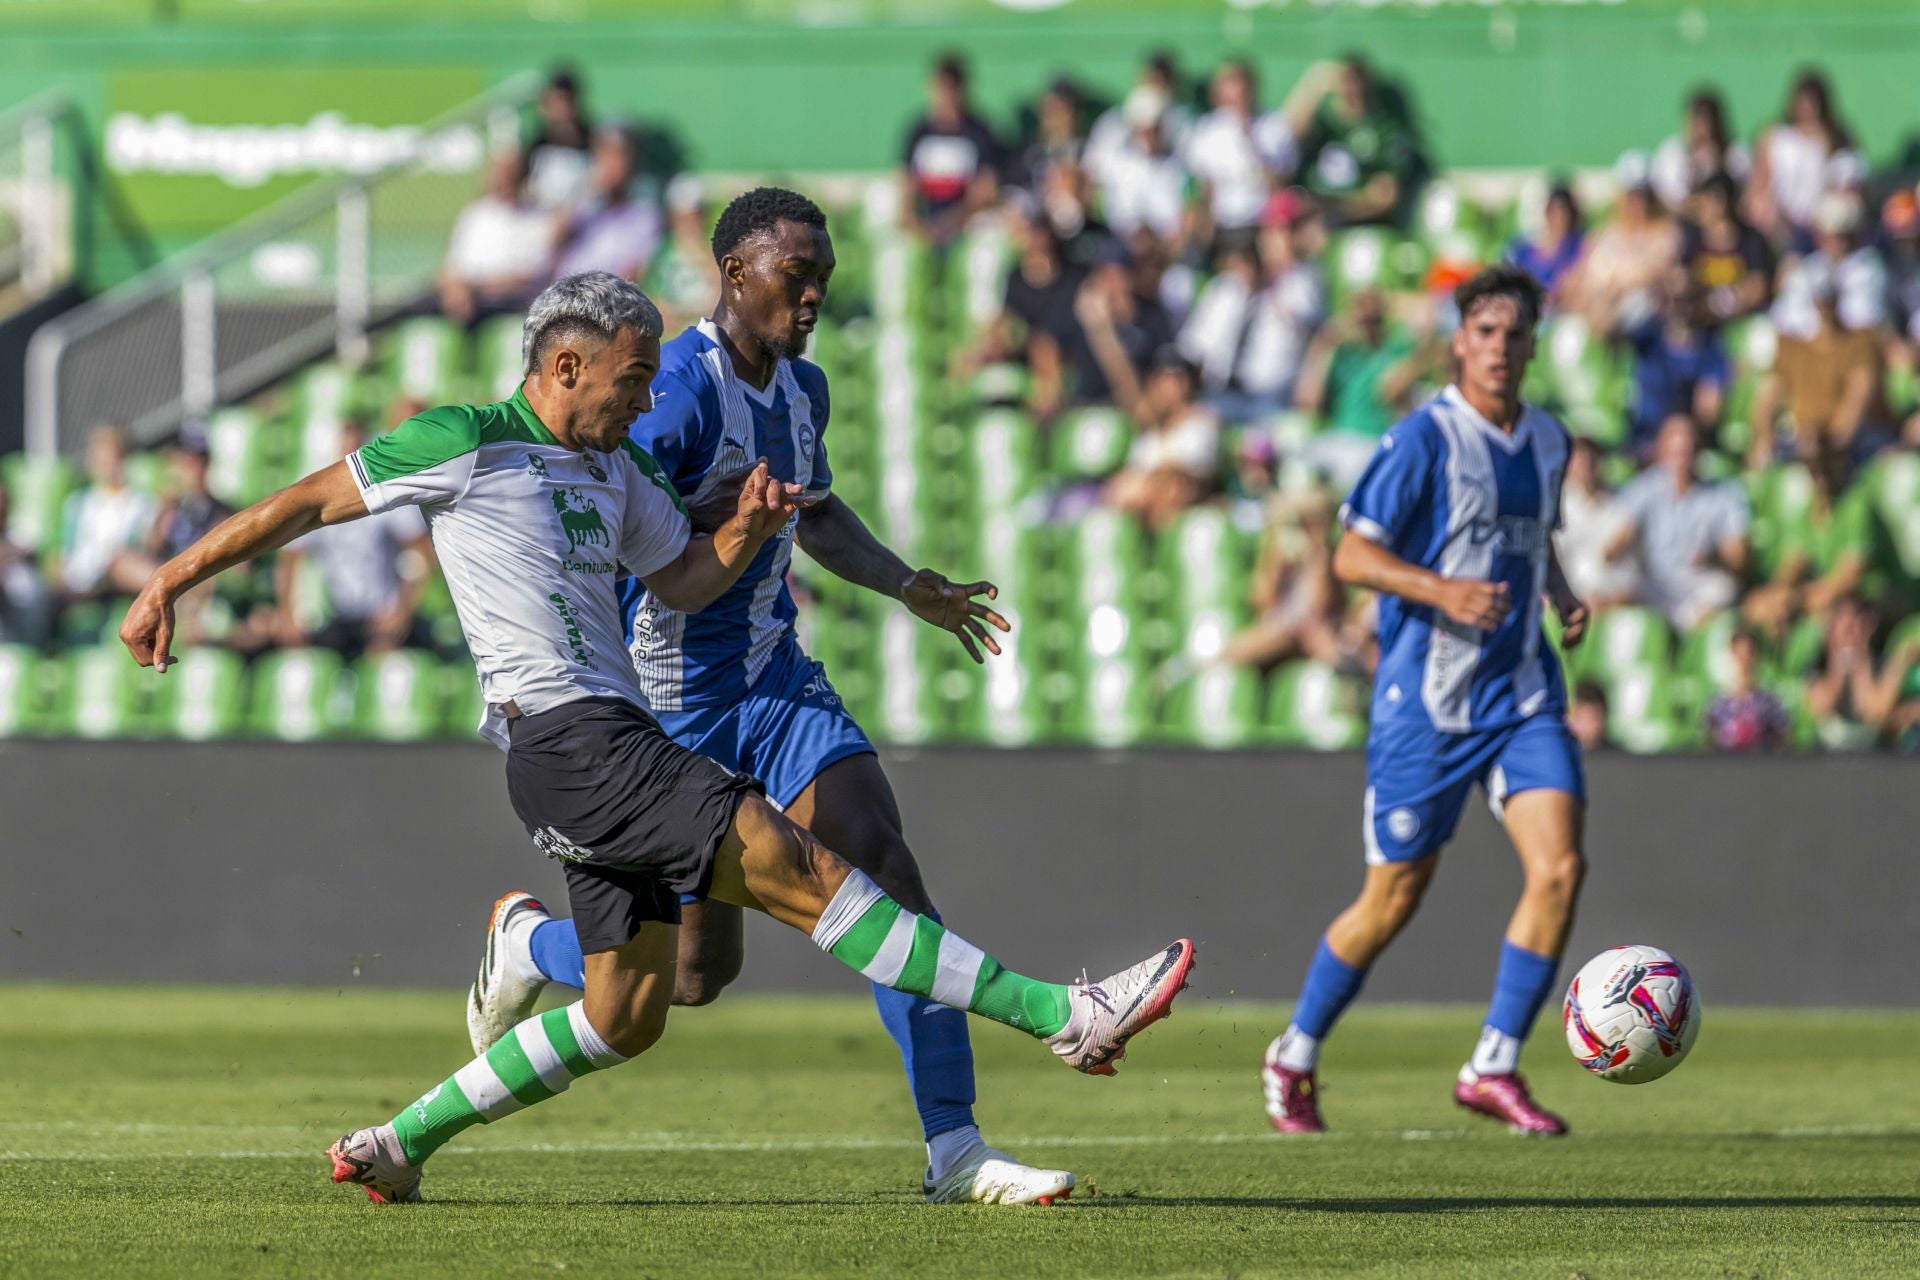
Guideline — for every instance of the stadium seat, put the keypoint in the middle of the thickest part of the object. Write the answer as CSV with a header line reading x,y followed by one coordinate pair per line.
x,y
1895,488
1625,639
294,695
463,701
1207,559
1005,447
19,691
243,462
103,694
497,358
1110,706
202,698
37,489
428,359
323,399
1310,705
1642,716
1218,707
1090,444
399,696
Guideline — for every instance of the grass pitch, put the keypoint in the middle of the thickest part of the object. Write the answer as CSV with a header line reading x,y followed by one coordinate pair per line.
x,y
163,1131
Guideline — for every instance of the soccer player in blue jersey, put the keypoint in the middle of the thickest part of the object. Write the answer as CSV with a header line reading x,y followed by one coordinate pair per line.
x,y
1452,525
733,683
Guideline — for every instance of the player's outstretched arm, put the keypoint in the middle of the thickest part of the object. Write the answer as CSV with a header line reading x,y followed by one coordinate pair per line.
x,y
1361,562
709,565
328,496
834,534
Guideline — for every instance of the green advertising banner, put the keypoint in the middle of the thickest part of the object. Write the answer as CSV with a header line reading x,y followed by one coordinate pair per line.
x,y
195,149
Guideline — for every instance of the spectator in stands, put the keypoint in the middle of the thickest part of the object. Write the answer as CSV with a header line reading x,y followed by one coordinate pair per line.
x,y
498,254
1900,232
1612,287
1125,325
1038,322
1677,368
1059,135
1174,462
374,570
1726,267
1249,328
612,229
1299,607
1690,534
105,525
1549,257
1159,75
1829,371
187,510
26,606
1358,375
1359,150
1704,149
951,158
1744,718
1588,717
1234,153
1823,555
1796,163
1591,520
683,278
1142,182
1853,702
559,152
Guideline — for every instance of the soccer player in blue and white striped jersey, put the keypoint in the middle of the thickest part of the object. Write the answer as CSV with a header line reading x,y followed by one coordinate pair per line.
x,y
1452,525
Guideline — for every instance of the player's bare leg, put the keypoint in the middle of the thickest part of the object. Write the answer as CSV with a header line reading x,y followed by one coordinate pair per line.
x,y
1389,896
623,1014
1545,826
850,806
713,947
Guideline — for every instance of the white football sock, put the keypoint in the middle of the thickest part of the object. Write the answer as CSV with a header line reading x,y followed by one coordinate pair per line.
x,y
1497,1054
945,1149
519,939
1296,1050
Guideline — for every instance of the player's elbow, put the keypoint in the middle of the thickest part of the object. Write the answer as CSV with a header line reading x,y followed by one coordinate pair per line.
x,y
1349,559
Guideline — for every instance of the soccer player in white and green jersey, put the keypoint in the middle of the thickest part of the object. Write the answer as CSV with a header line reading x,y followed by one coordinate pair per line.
x,y
535,504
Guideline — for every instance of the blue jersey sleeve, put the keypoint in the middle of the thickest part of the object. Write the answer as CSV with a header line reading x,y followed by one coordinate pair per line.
x,y
682,432
813,381
1395,487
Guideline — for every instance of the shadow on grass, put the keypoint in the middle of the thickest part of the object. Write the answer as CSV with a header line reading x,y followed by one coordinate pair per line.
x,y
1476,1204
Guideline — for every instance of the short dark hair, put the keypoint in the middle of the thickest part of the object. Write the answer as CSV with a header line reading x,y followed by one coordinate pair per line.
x,y
760,210
1502,280
951,65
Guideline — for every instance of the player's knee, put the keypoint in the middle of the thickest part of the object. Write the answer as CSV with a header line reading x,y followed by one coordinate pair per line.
x,y
703,985
634,1032
1558,876
894,870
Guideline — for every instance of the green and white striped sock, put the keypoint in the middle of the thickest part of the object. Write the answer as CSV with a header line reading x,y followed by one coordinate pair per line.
x,y
864,929
530,1064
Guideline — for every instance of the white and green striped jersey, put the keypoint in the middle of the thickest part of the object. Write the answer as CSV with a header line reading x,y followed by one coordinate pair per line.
x,y
531,536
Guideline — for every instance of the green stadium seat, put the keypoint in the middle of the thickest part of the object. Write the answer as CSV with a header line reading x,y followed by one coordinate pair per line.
x,y
19,691
243,462
1012,711
1091,443
1208,559
497,357
146,470
1005,448
1311,705
1895,481
37,489
324,397
399,696
1219,707
1801,649
1781,497
295,695
1111,704
104,694
1706,653
1359,259
428,359
1642,714
908,702
464,703
204,697
1625,639
1107,559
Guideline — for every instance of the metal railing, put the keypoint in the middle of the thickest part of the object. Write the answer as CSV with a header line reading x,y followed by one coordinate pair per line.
x,y
307,275
36,202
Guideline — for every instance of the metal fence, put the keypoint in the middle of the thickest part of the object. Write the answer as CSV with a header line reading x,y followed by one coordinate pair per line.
x,y
308,275
37,198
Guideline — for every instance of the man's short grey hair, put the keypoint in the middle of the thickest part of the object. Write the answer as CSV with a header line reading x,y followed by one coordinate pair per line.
x,y
595,302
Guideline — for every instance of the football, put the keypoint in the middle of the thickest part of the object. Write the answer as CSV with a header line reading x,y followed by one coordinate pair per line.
x,y
1632,1015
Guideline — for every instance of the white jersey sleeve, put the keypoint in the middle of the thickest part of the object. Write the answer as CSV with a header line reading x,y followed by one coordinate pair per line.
x,y
426,460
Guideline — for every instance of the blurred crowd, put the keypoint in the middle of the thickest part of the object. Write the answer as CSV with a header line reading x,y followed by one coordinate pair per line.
x,y
1171,256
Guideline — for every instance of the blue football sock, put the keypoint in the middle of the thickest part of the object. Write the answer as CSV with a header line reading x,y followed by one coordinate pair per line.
x,y
937,1053
1521,986
556,952
1330,987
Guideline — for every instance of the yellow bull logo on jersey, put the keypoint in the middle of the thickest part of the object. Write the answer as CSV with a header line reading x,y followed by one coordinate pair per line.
x,y
582,523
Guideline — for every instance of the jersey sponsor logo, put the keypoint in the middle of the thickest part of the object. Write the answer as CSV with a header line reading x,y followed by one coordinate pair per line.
x,y
580,519
576,638
558,847
1511,535
817,687
593,468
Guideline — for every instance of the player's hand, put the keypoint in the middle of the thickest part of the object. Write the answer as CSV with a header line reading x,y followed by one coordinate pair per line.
x,y
1473,603
1573,619
721,505
148,629
765,504
951,606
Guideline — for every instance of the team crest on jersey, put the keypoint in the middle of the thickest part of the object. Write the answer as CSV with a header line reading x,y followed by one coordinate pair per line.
x,y
593,468
1403,825
580,519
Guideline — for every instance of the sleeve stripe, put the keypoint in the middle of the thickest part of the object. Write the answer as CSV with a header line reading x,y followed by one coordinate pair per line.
x,y
359,471
1364,527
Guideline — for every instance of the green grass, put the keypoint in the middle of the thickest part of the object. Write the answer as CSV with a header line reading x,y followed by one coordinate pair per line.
x,y
168,1131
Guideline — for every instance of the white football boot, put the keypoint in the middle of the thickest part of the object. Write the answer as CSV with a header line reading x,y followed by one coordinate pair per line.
x,y
372,1159
502,995
1108,1013
986,1176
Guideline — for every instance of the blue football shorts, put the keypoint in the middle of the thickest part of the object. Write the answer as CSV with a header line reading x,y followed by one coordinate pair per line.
x,y
1418,778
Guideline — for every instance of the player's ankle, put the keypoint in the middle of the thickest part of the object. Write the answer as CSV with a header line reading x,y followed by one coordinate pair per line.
x,y
944,1150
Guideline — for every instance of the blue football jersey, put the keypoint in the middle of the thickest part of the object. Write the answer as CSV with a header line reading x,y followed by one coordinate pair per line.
x,y
707,424
1449,491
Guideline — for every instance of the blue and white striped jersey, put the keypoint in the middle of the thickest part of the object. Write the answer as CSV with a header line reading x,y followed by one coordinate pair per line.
x,y
1449,491
707,424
